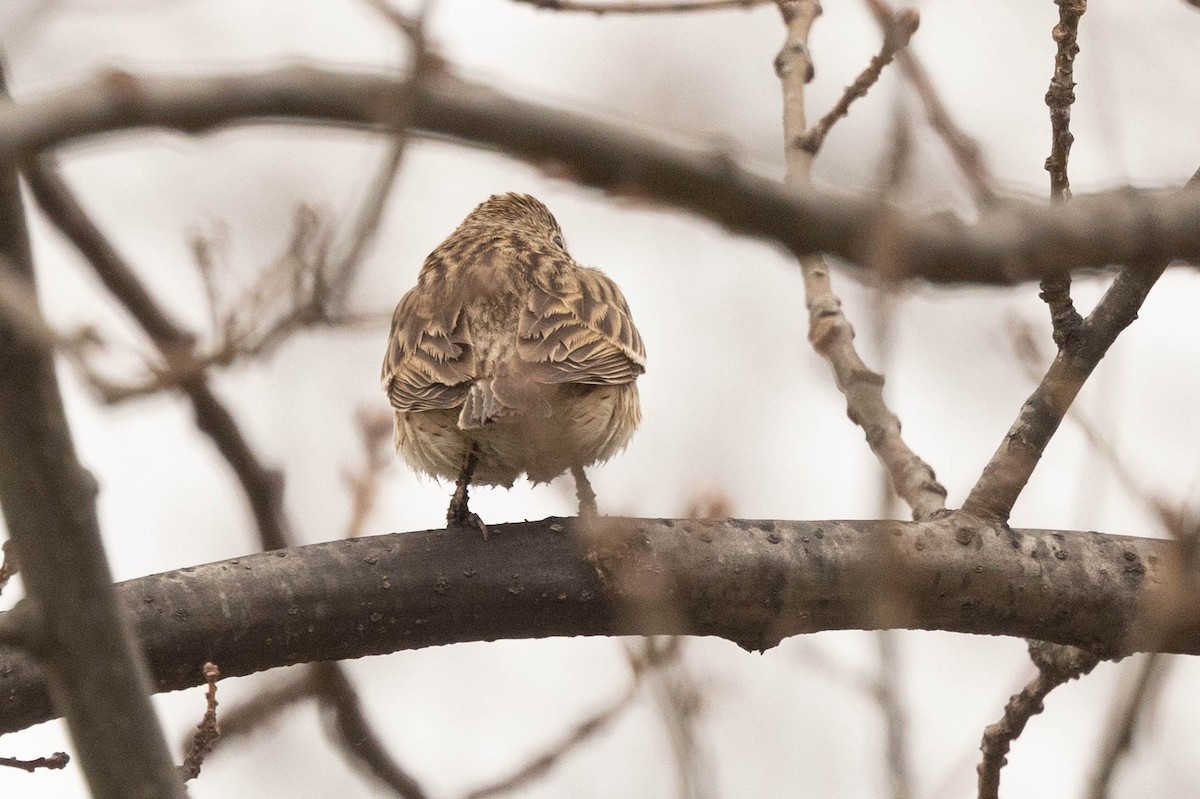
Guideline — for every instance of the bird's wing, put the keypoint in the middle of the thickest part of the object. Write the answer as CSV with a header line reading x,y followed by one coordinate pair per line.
x,y
576,328
429,363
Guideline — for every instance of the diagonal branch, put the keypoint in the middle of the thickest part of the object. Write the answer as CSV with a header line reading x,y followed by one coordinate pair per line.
x,y
895,39
963,148
829,331
62,209
1005,476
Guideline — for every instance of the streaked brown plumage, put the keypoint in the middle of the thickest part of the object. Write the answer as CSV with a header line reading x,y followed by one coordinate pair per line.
x,y
509,358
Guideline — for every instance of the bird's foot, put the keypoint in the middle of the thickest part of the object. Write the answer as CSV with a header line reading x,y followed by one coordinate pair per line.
x,y
584,494
458,514
465,519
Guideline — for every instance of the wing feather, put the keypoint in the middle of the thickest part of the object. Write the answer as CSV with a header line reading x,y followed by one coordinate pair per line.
x,y
576,328
429,362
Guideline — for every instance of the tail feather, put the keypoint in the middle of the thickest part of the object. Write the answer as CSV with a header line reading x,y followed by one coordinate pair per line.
x,y
491,398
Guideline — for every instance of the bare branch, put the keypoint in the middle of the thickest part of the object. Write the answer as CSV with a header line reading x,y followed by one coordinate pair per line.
x,y
49,500
57,760
751,582
207,731
963,148
1005,476
580,733
263,487
1056,288
829,331
1012,242
896,38
354,734
1056,665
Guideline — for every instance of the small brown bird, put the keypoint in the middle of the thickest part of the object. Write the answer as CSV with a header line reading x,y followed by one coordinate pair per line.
x,y
508,357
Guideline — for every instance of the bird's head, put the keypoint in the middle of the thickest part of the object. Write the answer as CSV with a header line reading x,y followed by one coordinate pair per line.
x,y
521,211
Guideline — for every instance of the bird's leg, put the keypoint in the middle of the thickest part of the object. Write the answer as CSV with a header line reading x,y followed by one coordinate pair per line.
x,y
458,514
584,492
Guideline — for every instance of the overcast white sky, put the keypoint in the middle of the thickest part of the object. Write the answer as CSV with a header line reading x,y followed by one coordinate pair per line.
x,y
734,400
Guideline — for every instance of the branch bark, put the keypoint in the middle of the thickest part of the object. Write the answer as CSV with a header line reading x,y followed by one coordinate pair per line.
x,y
751,582
1013,241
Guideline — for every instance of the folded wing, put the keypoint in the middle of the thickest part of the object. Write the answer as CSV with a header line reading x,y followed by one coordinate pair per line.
x,y
576,328
429,363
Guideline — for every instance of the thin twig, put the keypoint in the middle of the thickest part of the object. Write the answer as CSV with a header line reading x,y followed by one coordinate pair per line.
x,y
647,7
829,332
57,760
896,38
963,148
1056,665
99,672
207,731
370,213
1056,288
266,705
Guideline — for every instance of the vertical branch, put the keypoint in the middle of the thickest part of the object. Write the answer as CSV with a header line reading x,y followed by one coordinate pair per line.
x,y
1056,288
97,677
829,332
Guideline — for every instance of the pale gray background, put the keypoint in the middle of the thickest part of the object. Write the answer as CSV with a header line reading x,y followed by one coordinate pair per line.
x,y
734,399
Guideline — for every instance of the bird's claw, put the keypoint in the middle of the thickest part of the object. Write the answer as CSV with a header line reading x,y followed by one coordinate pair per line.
x,y
467,520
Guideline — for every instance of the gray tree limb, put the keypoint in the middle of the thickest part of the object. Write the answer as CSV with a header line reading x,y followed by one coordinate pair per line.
x,y
1012,242
751,582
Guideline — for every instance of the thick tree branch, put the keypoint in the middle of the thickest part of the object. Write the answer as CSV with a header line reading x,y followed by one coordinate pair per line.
x,y
751,582
98,679
1012,242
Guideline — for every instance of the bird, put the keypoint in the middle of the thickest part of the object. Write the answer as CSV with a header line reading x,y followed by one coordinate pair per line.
x,y
508,357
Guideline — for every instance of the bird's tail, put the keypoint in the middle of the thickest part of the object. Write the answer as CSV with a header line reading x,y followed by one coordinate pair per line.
x,y
491,398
